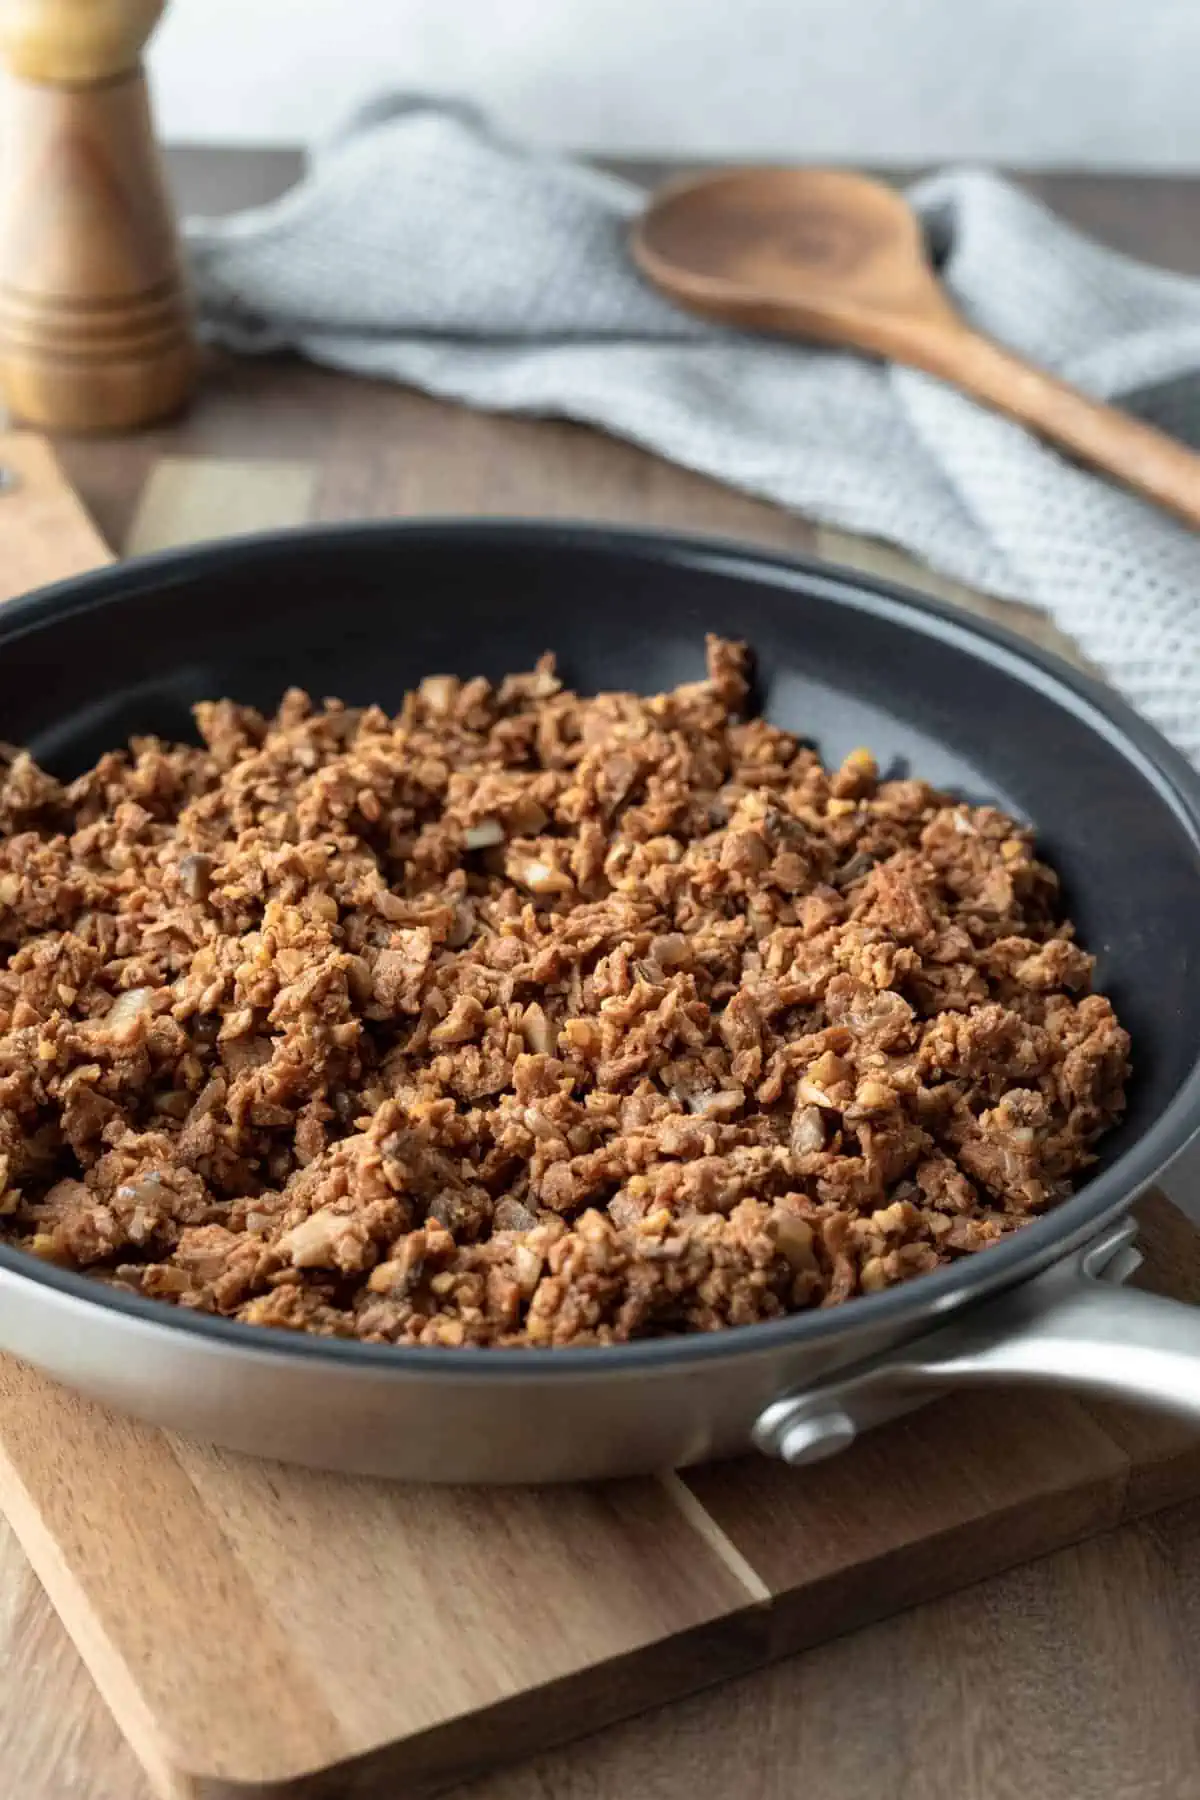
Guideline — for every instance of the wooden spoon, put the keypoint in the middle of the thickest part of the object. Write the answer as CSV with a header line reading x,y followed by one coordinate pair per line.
x,y
819,253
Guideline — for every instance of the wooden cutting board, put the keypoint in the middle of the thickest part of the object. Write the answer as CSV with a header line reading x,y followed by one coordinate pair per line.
x,y
272,1632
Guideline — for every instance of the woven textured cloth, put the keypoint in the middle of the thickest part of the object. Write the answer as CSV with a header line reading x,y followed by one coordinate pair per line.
x,y
424,246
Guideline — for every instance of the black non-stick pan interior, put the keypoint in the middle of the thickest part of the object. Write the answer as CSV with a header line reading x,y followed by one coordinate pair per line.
x,y
363,612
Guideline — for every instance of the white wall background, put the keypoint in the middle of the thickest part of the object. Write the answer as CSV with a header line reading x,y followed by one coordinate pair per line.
x,y
1071,82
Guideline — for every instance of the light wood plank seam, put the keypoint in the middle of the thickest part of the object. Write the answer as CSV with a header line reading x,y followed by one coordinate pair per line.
x,y
719,1542
192,499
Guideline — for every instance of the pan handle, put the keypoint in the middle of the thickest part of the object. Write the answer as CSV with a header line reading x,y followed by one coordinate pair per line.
x,y
1073,1326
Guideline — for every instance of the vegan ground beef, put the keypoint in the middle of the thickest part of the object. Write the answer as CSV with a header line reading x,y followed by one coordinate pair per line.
x,y
522,1018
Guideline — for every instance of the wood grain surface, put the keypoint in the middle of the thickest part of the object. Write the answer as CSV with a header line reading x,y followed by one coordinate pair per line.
x,y
1066,1679
46,533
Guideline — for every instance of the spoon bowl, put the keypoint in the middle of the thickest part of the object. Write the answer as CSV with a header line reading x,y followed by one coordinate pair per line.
x,y
798,250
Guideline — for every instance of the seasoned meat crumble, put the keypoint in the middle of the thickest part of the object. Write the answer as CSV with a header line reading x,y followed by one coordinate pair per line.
x,y
528,1019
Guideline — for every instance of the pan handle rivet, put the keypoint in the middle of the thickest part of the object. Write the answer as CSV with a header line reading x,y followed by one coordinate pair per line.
x,y
812,1438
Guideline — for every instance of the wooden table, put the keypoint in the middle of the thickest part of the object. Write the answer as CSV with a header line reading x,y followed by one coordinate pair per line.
x,y
1069,1679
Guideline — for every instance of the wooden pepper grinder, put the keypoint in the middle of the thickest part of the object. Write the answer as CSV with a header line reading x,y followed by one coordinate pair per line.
x,y
94,326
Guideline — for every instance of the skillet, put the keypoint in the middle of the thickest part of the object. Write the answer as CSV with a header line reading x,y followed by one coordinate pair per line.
x,y
364,611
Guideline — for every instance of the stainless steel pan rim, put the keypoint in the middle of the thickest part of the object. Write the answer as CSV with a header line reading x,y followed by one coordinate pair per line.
x,y
1027,1251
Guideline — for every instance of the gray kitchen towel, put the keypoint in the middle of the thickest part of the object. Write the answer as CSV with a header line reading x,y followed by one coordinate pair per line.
x,y
424,246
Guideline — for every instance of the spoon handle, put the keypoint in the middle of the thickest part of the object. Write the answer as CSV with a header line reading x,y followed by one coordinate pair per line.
x,y
1146,460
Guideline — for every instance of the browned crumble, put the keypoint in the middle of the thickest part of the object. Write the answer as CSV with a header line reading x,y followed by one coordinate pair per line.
x,y
527,1019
